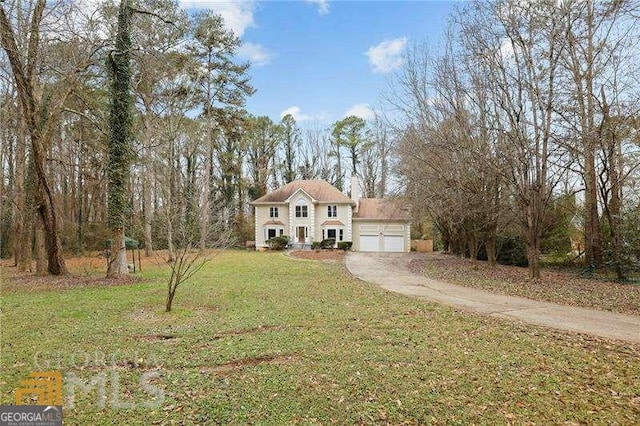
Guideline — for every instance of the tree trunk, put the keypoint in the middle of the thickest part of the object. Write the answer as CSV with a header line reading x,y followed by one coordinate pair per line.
x,y
535,213
204,206
24,245
41,251
473,251
491,248
146,195
120,124
171,293
46,210
533,254
118,264
592,230
22,262
170,248
613,164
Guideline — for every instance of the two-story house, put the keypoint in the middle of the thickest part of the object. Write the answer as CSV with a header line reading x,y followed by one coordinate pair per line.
x,y
314,210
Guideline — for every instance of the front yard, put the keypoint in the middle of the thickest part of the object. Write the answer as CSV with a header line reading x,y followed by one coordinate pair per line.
x,y
260,337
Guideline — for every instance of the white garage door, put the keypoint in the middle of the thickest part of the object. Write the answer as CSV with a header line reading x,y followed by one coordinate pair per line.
x,y
393,243
390,243
369,243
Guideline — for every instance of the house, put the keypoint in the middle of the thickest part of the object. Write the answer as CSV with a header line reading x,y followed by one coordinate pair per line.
x,y
314,210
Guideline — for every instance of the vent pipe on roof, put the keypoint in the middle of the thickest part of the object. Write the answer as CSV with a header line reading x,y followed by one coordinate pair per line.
x,y
355,191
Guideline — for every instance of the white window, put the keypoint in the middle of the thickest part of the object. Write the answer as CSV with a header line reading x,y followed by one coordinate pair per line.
x,y
332,211
302,211
331,233
341,235
273,212
273,232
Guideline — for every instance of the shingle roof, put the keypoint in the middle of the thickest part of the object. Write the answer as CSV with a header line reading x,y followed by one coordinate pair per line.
x,y
382,208
319,190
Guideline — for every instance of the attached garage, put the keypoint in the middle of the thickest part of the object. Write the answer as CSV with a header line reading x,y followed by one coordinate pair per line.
x,y
382,239
379,225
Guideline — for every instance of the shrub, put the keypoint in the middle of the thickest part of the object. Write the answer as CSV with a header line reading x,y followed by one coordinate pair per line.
x,y
345,245
328,243
316,245
511,250
278,243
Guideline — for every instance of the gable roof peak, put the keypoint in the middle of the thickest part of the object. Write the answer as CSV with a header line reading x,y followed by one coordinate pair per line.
x,y
319,190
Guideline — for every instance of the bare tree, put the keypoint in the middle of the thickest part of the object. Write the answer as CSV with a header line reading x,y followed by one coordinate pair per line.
x,y
315,154
40,113
598,35
186,261
261,142
290,145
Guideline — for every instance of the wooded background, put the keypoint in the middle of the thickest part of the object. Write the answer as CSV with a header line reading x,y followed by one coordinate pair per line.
x,y
522,131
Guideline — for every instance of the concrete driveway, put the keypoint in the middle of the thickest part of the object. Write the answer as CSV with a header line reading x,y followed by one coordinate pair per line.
x,y
391,272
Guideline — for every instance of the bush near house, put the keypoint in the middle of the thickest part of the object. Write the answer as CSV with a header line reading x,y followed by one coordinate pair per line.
x,y
278,243
345,245
328,243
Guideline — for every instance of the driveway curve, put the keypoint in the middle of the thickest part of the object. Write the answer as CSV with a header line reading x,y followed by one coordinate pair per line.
x,y
391,272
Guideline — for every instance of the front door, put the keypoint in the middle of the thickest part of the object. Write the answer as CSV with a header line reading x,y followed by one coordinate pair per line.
x,y
301,234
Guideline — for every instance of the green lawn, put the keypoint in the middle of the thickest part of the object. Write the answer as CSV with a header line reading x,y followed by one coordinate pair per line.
x,y
261,338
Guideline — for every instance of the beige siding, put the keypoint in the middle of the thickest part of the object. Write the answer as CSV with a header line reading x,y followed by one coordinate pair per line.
x,y
301,198
344,211
262,217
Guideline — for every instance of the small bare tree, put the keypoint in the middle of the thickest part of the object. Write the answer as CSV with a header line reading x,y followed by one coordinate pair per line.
x,y
186,260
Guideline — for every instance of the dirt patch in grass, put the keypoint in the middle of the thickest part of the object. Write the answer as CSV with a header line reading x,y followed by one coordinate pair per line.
x,y
555,286
156,337
239,364
12,280
325,255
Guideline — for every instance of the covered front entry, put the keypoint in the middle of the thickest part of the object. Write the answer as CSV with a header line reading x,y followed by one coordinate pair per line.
x,y
301,234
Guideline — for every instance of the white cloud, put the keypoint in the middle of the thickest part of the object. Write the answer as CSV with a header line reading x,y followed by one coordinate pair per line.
x,y
363,111
506,49
256,53
237,15
387,56
323,6
296,113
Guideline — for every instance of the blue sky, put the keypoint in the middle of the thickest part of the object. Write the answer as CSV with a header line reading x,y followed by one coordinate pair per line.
x,y
322,60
